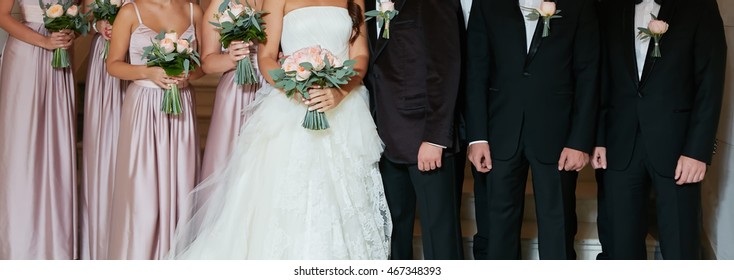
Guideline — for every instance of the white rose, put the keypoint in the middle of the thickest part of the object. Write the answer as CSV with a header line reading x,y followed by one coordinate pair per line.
x,y
172,36
117,3
236,9
387,6
225,18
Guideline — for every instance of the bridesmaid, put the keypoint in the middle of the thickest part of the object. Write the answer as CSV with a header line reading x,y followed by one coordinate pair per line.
x,y
37,145
102,104
231,99
157,161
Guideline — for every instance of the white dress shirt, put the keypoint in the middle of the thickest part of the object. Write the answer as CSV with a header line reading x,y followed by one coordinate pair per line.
x,y
642,18
527,7
466,8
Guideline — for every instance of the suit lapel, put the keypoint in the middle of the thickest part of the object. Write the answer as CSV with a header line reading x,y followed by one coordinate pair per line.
x,y
629,36
381,43
667,9
371,25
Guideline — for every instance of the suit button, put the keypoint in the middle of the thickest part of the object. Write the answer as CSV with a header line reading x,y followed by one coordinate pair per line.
x,y
526,74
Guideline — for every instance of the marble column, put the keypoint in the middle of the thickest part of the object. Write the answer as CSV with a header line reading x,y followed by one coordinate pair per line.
x,y
718,187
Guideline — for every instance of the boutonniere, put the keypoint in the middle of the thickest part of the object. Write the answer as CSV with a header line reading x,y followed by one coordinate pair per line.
x,y
384,14
655,30
547,11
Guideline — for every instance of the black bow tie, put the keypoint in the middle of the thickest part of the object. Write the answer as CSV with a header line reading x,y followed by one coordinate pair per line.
x,y
660,2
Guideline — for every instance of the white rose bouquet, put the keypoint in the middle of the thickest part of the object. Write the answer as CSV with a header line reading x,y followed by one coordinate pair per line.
x,y
238,22
105,10
60,16
176,57
308,68
655,30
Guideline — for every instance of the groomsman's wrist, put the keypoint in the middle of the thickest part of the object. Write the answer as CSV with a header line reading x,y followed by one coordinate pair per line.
x,y
478,141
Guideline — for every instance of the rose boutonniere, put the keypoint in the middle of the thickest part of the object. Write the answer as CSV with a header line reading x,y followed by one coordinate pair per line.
x,y
384,14
655,30
547,11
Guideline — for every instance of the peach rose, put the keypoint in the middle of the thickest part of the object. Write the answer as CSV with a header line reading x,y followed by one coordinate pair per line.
x,y
72,11
167,45
657,26
182,46
302,74
55,11
547,9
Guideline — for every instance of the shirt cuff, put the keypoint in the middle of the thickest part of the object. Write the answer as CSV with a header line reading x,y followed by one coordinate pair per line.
x,y
436,145
478,141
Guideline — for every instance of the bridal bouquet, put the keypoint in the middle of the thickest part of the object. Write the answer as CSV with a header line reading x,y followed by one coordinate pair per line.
x,y
175,55
60,16
237,22
308,68
105,10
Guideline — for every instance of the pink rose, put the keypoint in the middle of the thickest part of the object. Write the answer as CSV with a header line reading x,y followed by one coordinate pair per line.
x,y
302,74
236,9
55,11
547,9
657,27
167,45
182,46
387,6
72,11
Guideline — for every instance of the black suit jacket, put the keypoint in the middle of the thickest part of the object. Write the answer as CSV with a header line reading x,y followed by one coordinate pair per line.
x,y
676,103
414,76
548,95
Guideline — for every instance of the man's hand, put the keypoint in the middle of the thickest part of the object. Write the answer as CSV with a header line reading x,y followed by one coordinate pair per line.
x,y
572,160
479,156
599,161
689,171
429,157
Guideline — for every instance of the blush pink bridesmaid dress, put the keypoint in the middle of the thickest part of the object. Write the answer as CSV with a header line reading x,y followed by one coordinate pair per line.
x,y
157,163
227,118
37,150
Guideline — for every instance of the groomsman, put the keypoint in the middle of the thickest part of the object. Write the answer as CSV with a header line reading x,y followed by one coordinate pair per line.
x,y
414,77
532,104
660,110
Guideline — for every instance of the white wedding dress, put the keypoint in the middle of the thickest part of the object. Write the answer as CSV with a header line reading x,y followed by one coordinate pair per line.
x,y
292,193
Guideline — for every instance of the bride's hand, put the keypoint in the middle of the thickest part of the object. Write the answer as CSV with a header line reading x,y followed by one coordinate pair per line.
x,y
324,99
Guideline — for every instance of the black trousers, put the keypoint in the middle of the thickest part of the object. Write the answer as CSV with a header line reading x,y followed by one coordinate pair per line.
x,y
602,218
434,195
479,248
678,210
555,201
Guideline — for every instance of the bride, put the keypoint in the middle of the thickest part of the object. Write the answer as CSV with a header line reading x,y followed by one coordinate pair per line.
x,y
288,192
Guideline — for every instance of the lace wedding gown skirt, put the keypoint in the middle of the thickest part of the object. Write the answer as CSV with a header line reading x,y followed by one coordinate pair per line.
x,y
291,193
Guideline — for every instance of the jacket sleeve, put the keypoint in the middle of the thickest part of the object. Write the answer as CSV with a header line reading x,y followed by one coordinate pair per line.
x,y
477,75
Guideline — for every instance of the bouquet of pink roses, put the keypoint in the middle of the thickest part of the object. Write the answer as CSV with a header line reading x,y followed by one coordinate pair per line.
x,y
175,55
60,16
237,22
308,68
105,10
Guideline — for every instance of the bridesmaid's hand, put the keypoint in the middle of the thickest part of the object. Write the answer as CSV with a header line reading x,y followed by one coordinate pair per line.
x,y
159,77
58,40
238,50
324,99
104,28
